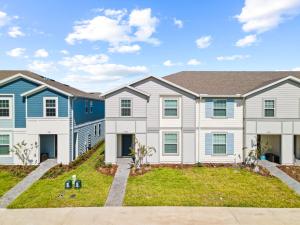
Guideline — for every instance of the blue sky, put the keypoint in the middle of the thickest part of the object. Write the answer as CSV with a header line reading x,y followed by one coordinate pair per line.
x,y
97,45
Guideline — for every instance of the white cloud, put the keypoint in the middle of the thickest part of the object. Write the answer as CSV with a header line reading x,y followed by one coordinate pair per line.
x,y
169,63
3,18
41,53
178,23
246,41
64,52
296,69
232,57
40,66
113,28
193,62
97,68
204,42
260,16
16,52
15,32
125,48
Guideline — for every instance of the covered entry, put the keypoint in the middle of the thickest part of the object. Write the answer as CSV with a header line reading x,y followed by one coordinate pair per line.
x,y
48,146
271,145
297,147
125,143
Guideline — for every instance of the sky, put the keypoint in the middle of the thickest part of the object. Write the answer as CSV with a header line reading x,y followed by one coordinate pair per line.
x,y
96,45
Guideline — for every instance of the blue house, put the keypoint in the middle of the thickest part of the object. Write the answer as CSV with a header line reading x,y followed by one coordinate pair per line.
x,y
60,121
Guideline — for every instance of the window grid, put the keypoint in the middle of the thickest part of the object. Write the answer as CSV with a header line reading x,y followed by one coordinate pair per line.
x,y
219,143
269,108
4,144
4,108
170,107
219,107
125,107
170,143
50,107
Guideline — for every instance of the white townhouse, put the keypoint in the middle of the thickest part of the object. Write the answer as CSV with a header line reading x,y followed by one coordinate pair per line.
x,y
207,117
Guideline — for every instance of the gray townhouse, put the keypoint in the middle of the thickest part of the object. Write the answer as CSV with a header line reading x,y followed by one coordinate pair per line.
x,y
207,117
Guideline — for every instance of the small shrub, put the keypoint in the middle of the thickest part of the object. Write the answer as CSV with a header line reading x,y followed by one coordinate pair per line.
x,y
199,164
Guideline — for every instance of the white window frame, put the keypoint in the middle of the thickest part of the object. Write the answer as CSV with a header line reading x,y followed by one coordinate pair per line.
x,y
219,99
164,107
95,130
86,106
56,106
216,144
264,107
10,144
99,129
9,108
129,99
163,137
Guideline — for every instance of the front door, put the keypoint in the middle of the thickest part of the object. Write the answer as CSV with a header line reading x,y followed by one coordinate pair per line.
x,y
48,146
126,144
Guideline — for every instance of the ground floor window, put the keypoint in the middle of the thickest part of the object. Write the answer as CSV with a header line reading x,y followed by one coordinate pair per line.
x,y
4,144
219,144
95,130
170,143
99,129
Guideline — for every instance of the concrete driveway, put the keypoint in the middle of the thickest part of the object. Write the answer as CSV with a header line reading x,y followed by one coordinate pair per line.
x,y
150,215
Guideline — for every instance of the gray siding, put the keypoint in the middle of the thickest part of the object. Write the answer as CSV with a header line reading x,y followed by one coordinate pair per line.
x,y
6,160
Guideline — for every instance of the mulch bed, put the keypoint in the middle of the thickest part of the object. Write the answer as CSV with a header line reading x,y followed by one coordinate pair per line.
x,y
18,170
292,171
147,168
111,170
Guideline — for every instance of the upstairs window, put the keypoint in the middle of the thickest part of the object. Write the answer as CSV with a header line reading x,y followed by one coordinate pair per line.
x,y
220,107
170,107
4,144
125,107
4,108
86,106
91,106
219,144
50,107
269,108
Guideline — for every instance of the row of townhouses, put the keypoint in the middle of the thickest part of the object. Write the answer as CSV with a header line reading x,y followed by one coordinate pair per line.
x,y
58,121
188,117
207,117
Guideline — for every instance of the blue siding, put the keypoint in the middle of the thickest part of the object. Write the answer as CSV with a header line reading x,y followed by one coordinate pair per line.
x,y
208,108
80,116
18,87
208,144
230,143
35,103
230,107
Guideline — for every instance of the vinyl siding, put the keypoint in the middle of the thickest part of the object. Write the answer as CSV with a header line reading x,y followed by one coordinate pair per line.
x,y
35,103
18,87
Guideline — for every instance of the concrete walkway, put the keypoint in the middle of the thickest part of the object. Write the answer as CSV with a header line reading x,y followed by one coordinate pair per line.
x,y
118,187
24,184
272,167
150,216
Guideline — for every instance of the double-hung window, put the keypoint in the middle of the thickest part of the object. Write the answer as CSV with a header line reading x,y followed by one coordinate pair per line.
x,y
5,108
4,144
269,108
91,106
170,143
219,107
125,107
95,130
219,144
170,107
50,107
86,106
99,129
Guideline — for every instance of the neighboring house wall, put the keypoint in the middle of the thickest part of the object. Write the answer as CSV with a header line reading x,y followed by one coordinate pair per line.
x,y
286,121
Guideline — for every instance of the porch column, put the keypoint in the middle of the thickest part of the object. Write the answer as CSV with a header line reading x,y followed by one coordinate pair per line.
x,y
287,149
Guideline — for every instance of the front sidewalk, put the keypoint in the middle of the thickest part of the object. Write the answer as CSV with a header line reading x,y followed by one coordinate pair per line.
x,y
150,215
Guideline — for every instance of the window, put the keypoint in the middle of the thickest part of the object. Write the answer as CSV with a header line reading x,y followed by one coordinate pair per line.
x,y
4,144
4,108
99,129
170,107
269,108
220,107
95,130
125,107
170,143
91,106
219,144
50,109
86,106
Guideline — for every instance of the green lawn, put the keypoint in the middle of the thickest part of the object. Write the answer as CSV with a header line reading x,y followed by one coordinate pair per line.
x,y
204,186
11,175
50,192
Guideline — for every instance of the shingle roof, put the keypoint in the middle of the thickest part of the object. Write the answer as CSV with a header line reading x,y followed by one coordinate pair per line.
x,y
227,83
63,87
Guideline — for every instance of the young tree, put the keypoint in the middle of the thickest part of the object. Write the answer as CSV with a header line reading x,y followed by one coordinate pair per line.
x,y
26,154
140,152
